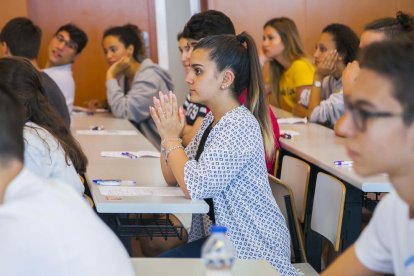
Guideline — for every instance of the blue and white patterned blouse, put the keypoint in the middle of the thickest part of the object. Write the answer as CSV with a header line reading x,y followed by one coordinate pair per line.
x,y
232,171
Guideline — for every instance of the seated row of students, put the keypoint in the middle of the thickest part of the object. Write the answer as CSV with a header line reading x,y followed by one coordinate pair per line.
x,y
221,69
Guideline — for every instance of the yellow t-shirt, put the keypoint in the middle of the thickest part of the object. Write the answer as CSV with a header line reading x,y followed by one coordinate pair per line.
x,y
300,73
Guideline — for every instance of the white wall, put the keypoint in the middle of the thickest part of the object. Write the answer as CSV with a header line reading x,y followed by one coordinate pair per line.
x,y
171,17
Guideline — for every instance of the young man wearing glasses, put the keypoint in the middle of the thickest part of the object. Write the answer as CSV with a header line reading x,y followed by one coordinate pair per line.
x,y
67,43
379,126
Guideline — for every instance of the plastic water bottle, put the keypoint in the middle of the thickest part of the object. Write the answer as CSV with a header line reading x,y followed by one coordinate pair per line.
x,y
218,253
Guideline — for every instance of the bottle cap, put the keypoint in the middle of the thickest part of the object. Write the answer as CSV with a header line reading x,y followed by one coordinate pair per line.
x,y
218,229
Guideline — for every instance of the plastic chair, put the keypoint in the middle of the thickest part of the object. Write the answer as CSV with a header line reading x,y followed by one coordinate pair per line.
x,y
295,173
328,208
285,200
276,166
145,128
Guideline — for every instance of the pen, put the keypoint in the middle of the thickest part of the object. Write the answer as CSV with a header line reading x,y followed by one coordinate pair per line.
x,y
130,155
97,128
286,135
109,182
343,163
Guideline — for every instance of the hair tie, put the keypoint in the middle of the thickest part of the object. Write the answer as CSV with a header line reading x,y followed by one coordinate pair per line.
x,y
240,38
404,20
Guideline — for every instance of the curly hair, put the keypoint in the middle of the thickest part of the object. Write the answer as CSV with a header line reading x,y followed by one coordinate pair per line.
x,y
346,40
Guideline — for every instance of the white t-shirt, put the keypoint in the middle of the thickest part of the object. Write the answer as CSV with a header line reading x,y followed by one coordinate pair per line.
x,y
47,229
63,77
44,156
387,243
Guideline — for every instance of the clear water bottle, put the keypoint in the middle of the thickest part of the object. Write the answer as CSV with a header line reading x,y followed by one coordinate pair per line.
x,y
218,253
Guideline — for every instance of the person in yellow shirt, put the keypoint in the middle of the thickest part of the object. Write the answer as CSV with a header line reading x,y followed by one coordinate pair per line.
x,y
290,71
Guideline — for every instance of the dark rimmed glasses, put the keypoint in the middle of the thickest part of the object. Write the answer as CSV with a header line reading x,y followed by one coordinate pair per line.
x,y
361,116
68,43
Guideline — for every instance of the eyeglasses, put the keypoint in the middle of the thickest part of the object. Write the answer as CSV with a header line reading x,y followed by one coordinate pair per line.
x,y
68,43
360,116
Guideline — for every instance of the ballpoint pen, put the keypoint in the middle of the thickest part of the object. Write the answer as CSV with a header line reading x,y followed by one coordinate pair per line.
x,y
130,155
286,135
114,182
343,163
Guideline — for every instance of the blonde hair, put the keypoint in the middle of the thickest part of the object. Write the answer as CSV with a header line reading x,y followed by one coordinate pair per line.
x,y
294,50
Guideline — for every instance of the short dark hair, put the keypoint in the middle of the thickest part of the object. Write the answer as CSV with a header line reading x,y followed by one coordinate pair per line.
x,y
76,34
395,61
208,23
129,34
179,36
11,124
22,37
346,40
392,26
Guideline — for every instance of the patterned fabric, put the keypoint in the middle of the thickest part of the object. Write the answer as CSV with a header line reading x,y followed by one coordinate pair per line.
x,y
232,171
193,111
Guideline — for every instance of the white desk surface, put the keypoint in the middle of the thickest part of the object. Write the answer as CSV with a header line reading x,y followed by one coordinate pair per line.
x,y
320,146
195,267
145,171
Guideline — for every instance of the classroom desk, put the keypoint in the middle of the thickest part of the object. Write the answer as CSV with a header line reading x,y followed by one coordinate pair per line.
x,y
319,145
195,267
145,171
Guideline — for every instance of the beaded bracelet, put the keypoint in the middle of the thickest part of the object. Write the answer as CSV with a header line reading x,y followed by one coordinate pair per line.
x,y
170,139
167,152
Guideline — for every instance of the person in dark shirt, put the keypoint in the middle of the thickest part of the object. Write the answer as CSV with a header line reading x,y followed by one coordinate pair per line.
x,y
20,37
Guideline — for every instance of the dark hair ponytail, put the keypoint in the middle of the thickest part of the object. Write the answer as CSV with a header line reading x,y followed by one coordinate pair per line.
x,y
239,53
129,34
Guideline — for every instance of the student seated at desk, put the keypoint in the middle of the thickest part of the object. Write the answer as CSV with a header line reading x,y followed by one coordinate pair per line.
x,y
224,163
290,71
324,103
64,48
379,126
50,149
132,79
45,227
199,26
378,30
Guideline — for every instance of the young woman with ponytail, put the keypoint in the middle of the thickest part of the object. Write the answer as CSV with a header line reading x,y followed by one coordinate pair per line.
x,y
132,79
224,163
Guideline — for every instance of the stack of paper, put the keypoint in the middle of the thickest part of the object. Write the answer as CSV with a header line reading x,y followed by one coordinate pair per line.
x,y
292,120
137,154
105,132
140,191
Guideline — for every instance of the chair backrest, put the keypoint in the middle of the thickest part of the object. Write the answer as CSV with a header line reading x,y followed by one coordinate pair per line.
x,y
285,200
328,208
276,166
147,129
295,173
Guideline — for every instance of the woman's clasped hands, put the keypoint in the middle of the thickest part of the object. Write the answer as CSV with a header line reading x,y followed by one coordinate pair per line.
x,y
168,117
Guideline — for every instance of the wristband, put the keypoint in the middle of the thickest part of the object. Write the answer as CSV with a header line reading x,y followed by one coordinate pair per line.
x,y
167,152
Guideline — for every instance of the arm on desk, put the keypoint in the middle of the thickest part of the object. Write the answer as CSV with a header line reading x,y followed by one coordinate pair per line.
x,y
348,264
337,127
298,109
